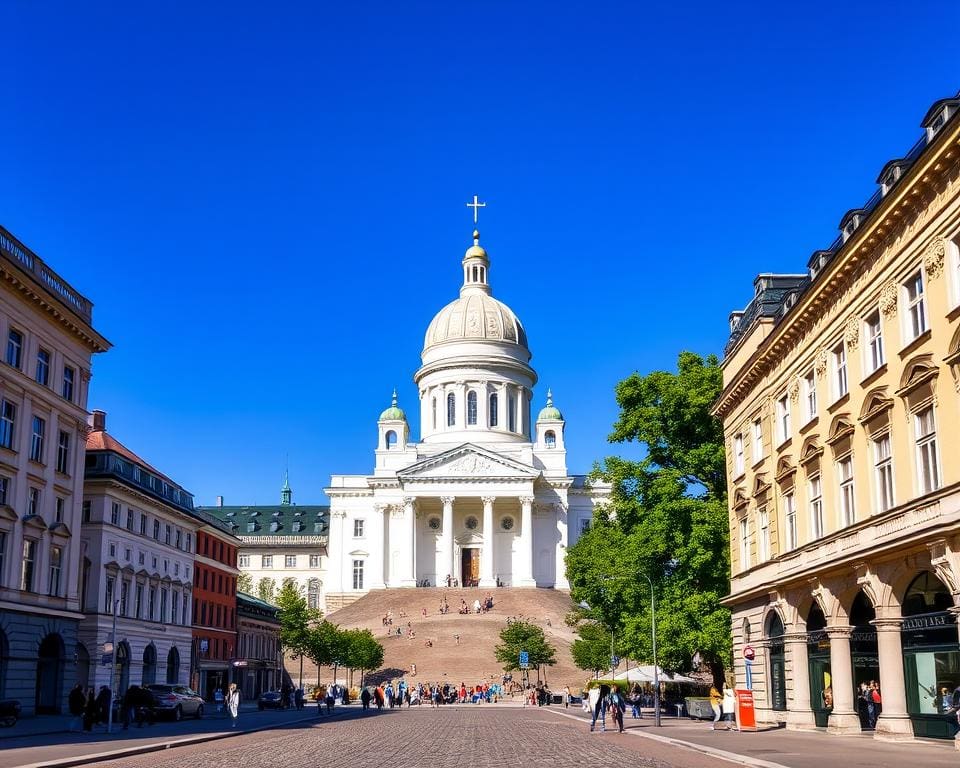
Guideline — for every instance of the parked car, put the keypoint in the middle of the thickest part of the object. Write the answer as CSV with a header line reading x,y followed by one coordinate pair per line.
x,y
176,701
9,713
270,700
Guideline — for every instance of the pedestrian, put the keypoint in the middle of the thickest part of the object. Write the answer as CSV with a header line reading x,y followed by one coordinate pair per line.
x,y
598,701
233,704
129,705
365,699
566,697
329,700
76,701
218,698
716,699
729,704
298,698
91,711
617,706
103,704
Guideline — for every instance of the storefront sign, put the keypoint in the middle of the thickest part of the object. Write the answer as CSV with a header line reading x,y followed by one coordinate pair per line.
x,y
746,716
928,621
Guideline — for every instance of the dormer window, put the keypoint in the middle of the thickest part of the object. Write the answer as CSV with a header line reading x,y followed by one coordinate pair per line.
x,y
251,527
274,526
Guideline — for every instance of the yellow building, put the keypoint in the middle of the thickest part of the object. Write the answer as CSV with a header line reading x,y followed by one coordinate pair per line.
x,y
841,415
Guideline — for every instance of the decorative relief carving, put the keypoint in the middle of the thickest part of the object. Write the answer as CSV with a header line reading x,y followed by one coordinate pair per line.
x,y
488,499
851,332
447,499
888,299
821,364
933,258
794,391
396,511
526,499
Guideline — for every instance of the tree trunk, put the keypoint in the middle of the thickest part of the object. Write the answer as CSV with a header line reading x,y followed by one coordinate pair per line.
x,y
301,670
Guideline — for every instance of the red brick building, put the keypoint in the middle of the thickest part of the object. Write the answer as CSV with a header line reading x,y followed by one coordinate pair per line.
x,y
214,607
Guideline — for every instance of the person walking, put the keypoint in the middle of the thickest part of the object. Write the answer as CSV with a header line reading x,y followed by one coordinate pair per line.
x,y
91,711
617,705
329,701
729,705
76,701
365,699
716,699
233,704
598,702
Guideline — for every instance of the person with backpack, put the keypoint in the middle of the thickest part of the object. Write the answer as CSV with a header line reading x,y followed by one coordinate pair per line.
x,y
617,705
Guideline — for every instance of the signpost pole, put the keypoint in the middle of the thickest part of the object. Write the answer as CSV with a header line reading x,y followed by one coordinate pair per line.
x,y
113,667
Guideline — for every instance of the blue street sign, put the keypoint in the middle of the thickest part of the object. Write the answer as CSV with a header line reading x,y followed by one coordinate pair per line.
x,y
107,659
614,661
524,660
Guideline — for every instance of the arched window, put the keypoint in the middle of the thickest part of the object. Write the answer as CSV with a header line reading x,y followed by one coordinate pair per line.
x,y
471,407
550,438
777,671
390,439
494,402
173,667
512,413
434,413
149,665
451,410
313,593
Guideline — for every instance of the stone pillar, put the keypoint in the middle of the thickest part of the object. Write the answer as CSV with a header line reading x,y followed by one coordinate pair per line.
x,y
800,713
894,722
502,406
521,410
387,576
381,527
447,548
844,718
461,405
410,518
486,558
524,573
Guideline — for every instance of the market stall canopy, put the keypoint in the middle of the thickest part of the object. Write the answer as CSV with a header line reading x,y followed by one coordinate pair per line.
x,y
644,674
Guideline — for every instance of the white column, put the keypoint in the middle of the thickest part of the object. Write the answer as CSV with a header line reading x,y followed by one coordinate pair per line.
x,y
524,574
502,406
894,722
385,521
486,558
381,522
799,714
562,515
410,518
483,405
521,410
843,718
447,549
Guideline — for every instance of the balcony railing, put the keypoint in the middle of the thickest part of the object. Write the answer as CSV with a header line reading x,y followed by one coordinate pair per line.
x,y
17,253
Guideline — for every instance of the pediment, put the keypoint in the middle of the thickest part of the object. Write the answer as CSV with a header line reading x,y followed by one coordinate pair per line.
x,y
469,538
7,512
918,371
35,521
875,403
60,529
760,485
840,429
810,451
740,498
468,461
785,469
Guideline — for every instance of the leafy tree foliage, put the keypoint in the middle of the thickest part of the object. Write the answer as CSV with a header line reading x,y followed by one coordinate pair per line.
x,y
362,651
329,645
296,620
667,520
245,583
591,650
523,636
267,590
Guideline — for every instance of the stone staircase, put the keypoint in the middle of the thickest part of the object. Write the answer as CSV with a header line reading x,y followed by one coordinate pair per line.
x,y
470,660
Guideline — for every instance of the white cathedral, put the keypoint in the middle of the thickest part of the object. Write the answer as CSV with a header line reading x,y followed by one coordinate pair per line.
x,y
484,498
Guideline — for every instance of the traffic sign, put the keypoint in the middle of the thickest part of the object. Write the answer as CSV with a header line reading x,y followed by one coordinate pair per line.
x,y
524,660
749,653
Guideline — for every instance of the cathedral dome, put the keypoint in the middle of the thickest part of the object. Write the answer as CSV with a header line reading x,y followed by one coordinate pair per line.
x,y
475,315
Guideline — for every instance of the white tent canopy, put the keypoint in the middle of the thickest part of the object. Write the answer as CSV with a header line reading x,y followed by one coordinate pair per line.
x,y
644,674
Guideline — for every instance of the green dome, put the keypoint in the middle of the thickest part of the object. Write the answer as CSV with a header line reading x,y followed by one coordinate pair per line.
x,y
549,413
393,413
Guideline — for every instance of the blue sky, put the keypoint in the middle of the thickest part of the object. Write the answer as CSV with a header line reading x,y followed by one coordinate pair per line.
x,y
266,201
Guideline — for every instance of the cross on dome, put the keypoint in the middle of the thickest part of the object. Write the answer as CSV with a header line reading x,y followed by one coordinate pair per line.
x,y
476,205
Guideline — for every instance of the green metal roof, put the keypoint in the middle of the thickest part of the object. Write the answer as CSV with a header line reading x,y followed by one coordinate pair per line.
x,y
273,519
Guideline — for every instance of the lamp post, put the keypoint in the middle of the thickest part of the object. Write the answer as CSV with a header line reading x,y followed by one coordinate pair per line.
x,y
113,666
656,667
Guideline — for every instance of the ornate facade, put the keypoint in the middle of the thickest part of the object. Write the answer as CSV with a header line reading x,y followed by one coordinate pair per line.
x,y
841,393
484,498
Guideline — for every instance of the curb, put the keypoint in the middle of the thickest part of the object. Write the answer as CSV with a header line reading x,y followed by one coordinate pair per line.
x,y
733,757
185,741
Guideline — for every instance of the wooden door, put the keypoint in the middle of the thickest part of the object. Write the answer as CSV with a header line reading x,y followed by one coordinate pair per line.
x,y
470,567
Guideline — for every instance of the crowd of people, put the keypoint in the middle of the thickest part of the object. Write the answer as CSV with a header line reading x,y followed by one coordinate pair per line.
x,y
391,696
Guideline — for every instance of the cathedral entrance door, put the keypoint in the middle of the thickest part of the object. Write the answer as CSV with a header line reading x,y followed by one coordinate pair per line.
x,y
470,566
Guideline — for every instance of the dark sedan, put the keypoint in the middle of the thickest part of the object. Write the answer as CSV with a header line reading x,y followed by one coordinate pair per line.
x,y
270,700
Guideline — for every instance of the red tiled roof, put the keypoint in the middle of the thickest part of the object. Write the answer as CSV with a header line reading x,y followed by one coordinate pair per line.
x,y
99,440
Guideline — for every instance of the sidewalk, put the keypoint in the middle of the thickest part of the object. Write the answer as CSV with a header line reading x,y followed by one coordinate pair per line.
x,y
780,748
64,748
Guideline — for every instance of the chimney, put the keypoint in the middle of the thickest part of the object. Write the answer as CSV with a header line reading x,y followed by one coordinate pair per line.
x,y
99,421
219,501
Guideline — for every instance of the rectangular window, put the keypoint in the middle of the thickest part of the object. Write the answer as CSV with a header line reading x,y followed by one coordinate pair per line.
x,y
69,374
151,603
168,535
8,417
141,558
143,524
314,561
56,568
130,520
43,367
108,596
156,530
127,554
738,466
14,348
33,501
916,315
883,471
744,534
124,594
87,509
848,503
810,395
928,459
790,517
36,440
138,601
115,513
763,525
174,607
59,509
840,384
358,574
27,567
163,604
783,418
816,507
63,453
3,550
244,561
358,529
875,353
112,549
189,543
268,561
4,491
757,440
290,561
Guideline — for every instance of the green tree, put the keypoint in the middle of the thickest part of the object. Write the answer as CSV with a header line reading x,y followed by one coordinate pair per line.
x,y
523,636
267,590
296,620
321,644
245,583
362,651
667,520
591,650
